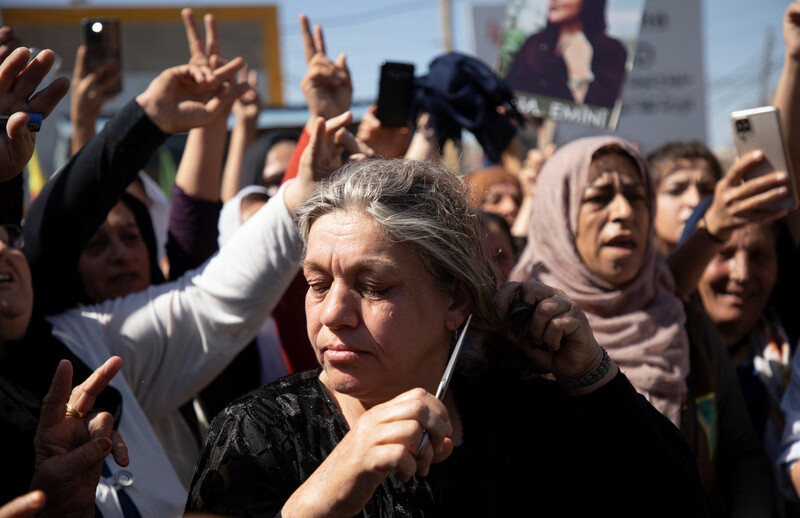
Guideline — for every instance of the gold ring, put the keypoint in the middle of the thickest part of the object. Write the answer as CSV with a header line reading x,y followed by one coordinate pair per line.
x,y
74,412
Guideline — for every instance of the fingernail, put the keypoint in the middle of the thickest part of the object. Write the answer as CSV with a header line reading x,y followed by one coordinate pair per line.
x,y
105,444
36,498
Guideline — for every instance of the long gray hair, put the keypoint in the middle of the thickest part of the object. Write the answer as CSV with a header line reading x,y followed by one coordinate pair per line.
x,y
422,205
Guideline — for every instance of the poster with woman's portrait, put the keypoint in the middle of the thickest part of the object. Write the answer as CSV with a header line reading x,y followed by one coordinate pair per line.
x,y
568,59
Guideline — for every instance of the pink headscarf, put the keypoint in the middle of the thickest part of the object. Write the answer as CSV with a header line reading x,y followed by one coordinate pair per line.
x,y
640,324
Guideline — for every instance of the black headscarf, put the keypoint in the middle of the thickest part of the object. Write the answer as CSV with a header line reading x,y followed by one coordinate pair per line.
x,y
256,155
145,224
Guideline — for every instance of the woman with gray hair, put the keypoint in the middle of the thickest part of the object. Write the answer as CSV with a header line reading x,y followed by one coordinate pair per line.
x,y
395,265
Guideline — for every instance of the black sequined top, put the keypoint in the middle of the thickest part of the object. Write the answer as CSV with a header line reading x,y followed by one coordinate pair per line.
x,y
527,449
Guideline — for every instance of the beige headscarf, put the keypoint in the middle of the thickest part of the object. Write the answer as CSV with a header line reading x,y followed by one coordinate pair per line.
x,y
640,324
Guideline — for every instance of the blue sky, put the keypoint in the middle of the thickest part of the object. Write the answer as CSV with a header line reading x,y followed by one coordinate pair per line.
x,y
370,31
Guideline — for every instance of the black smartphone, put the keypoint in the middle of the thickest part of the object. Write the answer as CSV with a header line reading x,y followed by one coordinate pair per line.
x,y
101,37
394,93
760,128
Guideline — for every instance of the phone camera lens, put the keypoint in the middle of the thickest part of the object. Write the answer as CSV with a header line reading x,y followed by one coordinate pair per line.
x,y
743,126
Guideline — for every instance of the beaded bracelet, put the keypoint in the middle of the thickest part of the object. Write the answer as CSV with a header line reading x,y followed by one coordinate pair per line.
x,y
591,378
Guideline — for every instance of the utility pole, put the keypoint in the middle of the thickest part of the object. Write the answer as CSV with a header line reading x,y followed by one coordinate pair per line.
x,y
766,67
450,150
447,22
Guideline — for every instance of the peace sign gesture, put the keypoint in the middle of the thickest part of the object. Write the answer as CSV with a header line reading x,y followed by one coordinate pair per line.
x,y
326,85
71,444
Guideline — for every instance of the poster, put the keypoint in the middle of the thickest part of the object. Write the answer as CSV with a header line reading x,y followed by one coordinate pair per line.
x,y
568,60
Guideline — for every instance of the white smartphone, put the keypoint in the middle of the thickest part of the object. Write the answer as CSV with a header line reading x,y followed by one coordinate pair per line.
x,y
760,128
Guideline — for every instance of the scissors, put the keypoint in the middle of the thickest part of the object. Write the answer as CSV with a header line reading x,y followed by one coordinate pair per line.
x,y
448,373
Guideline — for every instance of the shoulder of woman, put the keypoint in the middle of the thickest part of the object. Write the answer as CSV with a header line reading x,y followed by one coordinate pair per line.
x,y
278,405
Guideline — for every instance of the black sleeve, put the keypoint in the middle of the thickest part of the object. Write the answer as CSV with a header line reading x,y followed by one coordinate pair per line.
x,y
609,450
246,467
77,199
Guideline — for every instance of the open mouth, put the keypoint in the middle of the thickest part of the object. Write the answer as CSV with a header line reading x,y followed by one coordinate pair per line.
x,y
621,242
5,278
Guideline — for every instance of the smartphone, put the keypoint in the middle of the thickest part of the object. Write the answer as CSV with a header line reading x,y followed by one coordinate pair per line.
x,y
394,94
101,37
760,128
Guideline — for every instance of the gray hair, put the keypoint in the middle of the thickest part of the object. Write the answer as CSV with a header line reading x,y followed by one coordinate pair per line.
x,y
421,204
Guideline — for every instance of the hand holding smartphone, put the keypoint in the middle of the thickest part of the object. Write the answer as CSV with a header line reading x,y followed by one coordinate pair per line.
x,y
760,128
394,94
102,39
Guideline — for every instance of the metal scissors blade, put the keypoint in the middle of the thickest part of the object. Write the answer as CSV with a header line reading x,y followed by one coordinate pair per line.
x,y
448,373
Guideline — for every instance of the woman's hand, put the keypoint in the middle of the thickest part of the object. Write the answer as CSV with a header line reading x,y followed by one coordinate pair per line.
x,y
91,90
557,336
184,97
388,142
323,155
384,439
326,84
791,30
247,107
25,506
737,204
71,449
18,82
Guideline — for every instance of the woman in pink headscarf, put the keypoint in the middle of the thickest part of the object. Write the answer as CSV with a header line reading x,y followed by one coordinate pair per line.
x,y
591,237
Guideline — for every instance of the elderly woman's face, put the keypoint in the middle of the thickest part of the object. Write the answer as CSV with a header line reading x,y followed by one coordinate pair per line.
x,y
738,282
377,321
684,185
115,262
564,10
613,220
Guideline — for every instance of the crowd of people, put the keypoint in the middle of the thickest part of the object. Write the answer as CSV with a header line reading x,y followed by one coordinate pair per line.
x,y
272,340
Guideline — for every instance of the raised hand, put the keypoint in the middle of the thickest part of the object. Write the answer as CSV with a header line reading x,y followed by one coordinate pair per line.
x,y
557,336
791,30
248,106
8,42
72,444
326,85
184,97
323,155
201,54
90,91
387,142
384,439
737,204
18,81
